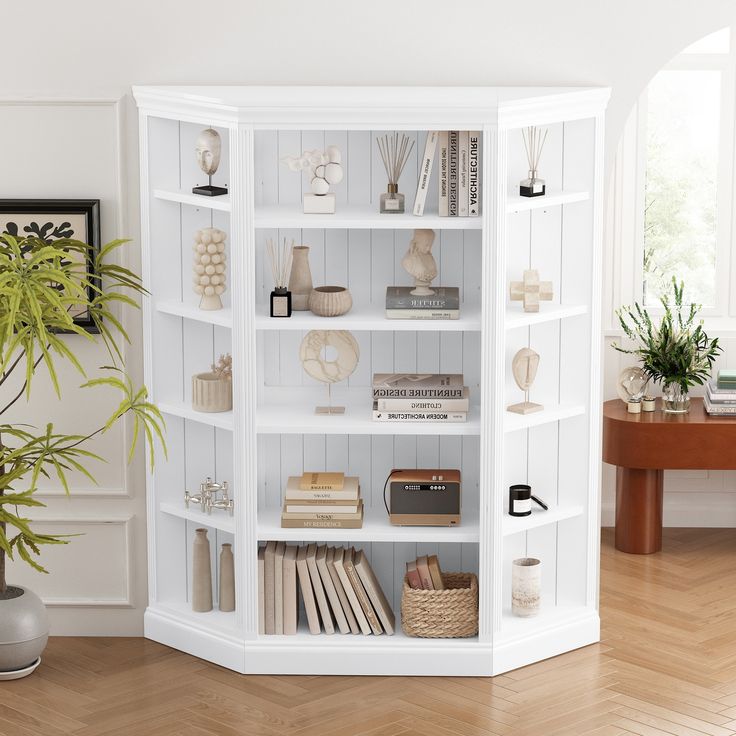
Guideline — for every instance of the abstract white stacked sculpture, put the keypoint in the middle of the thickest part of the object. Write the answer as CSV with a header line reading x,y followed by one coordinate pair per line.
x,y
209,267
326,170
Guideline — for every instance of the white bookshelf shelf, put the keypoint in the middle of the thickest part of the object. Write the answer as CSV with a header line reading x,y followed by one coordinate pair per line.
x,y
221,420
556,413
219,317
516,316
221,203
358,217
539,517
515,203
376,528
291,411
216,520
367,318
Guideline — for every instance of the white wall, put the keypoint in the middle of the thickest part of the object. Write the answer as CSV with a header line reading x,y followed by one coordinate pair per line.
x,y
87,50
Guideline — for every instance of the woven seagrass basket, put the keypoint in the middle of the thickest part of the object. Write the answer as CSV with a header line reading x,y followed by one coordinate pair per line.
x,y
450,614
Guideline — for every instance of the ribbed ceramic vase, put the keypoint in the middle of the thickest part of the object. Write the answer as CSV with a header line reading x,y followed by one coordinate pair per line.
x,y
211,393
300,279
201,573
330,301
227,578
526,586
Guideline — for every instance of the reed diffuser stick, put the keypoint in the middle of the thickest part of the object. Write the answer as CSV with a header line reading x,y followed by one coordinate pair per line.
x,y
534,140
280,259
395,150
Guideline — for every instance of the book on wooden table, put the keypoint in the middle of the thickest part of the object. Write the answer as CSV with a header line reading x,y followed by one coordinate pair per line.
x,y
269,587
424,574
716,409
329,586
435,572
261,590
412,575
305,585
319,591
340,563
322,481
720,395
350,491
444,297
474,173
360,592
291,602
726,378
278,588
375,593
322,519
419,386
334,553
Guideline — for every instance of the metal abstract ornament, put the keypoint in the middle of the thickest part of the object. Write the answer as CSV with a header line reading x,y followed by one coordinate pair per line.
x,y
317,363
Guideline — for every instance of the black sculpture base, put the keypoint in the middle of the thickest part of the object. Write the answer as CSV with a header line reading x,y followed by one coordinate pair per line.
x,y
210,191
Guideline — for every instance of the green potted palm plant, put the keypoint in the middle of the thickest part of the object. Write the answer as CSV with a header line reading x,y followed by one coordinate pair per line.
x,y
677,352
42,285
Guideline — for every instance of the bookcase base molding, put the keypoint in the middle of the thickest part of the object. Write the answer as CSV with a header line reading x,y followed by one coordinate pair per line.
x,y
272,437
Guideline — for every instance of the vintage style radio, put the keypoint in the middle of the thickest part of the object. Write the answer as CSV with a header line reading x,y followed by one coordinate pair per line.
x,y
424,497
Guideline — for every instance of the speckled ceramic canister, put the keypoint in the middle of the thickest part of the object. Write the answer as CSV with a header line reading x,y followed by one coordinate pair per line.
x,y
526,586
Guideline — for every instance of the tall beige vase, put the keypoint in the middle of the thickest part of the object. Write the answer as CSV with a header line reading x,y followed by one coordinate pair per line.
x,y
300,280
227,578
201,573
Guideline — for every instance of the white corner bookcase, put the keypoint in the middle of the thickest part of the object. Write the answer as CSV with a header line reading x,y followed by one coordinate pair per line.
x,y
272,431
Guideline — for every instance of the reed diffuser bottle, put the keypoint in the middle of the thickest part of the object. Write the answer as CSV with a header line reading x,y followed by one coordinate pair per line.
x,y
395,149
280,259
534,140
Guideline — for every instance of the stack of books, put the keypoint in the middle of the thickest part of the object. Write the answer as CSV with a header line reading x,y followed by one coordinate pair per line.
x,y
322,501
402,304
720,396
428,397
424,573
459,157
338,587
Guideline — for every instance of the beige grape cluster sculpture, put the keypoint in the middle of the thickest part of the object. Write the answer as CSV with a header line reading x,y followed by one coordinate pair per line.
x,y
209,267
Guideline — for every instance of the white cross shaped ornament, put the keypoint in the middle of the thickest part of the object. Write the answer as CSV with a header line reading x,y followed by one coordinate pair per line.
x,y
531,291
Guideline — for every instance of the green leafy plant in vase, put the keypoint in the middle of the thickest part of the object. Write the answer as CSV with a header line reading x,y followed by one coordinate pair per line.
x,y
42,285
677,352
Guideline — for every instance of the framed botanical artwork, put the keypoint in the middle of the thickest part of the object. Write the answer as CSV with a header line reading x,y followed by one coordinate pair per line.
x,y
51,219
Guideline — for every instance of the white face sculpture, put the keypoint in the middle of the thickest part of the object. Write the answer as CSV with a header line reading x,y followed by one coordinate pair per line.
x,y
208,149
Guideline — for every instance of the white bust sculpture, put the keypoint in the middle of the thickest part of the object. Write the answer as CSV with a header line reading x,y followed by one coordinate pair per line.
x,y
208,148
419,262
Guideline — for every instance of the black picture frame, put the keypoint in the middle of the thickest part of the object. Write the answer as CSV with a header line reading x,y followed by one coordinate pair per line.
x,y
64,217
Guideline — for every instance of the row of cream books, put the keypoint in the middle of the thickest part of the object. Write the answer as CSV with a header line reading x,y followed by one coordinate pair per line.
x,y
423,397
425,573
338,587
458,161
322,501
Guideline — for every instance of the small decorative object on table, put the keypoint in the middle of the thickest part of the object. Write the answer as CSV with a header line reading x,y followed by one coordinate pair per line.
x,y
534,140
227,579
526,586
632,386
330,301
208,497
531,291
326,170
395,149
201,573
280,259
300,278
209,148
316,362
213,392
649,403
209,267
520,500
677,352
419,262
438,605
524,368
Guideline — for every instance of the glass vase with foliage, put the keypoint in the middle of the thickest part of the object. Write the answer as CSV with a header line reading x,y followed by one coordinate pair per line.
x,y
677,352
42,285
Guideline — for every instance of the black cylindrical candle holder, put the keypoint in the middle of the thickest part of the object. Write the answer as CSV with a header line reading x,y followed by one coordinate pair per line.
x,y
520,500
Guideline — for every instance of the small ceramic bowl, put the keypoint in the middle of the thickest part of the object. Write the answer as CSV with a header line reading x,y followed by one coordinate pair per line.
x,y
330,301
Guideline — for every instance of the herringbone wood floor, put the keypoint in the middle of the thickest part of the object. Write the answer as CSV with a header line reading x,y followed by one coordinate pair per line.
x,y
666,665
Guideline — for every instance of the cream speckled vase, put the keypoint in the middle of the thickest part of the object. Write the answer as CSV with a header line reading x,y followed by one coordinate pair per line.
x,y
526,586
227,578
201,573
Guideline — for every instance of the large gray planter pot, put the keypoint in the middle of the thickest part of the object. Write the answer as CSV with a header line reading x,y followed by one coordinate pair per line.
x,y
24,629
